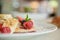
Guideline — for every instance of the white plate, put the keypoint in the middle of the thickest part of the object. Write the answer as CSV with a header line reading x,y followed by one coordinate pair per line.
x,y
41,28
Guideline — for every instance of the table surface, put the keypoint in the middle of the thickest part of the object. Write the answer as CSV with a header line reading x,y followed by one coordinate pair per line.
x,y
51,36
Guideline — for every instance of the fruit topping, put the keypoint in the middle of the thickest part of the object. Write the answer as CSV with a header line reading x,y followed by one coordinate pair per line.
x,y
19,18
22,22
28,25
27,18
5,30
1,26
31,21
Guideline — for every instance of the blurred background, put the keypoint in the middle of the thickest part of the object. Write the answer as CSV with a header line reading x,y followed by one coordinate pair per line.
x,y
29,6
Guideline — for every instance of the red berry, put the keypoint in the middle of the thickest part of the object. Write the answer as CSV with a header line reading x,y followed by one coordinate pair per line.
x,y
31,21
19,18
28,25
0,27
5,30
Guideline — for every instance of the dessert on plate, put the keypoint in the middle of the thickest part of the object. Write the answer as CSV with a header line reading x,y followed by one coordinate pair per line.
x,y
27,25
8,24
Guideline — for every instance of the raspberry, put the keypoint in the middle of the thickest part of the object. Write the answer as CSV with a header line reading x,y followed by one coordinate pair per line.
x,y
19,18
5,30
0,27
31,21
28,25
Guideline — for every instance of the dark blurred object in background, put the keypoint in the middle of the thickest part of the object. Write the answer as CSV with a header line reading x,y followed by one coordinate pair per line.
x,y
56,21
0,6
54,12
52,15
